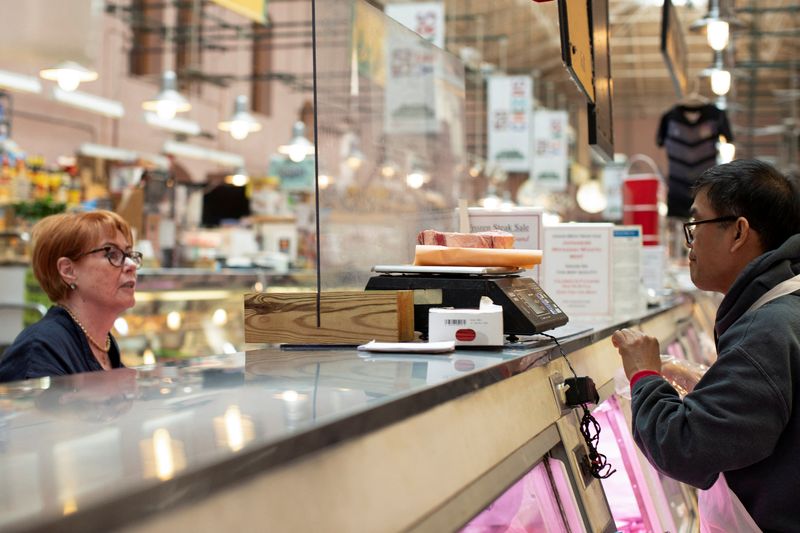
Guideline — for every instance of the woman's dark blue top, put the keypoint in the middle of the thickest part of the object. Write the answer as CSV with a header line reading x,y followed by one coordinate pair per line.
x,y
54,346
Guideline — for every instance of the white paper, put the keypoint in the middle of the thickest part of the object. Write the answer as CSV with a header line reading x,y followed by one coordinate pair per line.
x,y
577,268
409,347
627,277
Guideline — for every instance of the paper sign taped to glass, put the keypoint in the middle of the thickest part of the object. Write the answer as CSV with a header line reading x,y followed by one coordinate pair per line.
x,y
430,255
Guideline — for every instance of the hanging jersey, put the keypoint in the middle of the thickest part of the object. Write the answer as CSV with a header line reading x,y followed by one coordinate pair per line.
x,y
690,135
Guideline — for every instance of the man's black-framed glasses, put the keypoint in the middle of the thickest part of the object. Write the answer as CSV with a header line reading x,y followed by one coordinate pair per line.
x,y
116,256
688,228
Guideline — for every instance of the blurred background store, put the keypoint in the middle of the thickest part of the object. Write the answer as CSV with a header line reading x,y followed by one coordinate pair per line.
x,y
194,119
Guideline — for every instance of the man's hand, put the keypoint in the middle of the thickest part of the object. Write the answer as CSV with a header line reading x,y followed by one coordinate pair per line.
x,y
638,351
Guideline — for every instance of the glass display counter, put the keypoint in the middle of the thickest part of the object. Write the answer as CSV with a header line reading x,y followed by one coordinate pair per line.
x,y
183,312
251,440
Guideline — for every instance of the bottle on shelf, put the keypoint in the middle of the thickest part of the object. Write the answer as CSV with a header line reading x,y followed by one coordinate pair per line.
x,y
22,184
5,181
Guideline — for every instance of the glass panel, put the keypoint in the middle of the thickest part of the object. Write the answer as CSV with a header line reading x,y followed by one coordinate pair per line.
x,y
391,140
530,504
639,497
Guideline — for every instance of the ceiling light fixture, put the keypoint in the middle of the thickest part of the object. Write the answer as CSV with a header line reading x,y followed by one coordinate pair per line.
x,y
726,150
720,76
239,178
298,147
168,102
206,154
242,123
717,25
718,33
177,124
720,82
355,157
19,82
89,102
68,75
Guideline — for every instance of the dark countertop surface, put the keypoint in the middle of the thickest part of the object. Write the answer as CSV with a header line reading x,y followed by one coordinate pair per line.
x,y
95,451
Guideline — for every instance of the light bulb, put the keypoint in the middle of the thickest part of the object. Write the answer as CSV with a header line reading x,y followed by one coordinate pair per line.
x,y
720,82
220,317
717,32
239,130
174,320
324,181
121,325
297,152
726,150
388,171
148,357
354,162
415,180
591,197
492,201
166,109
69,80
239,179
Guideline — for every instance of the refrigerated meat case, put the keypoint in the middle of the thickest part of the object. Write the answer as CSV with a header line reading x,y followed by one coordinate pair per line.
x,y
369,442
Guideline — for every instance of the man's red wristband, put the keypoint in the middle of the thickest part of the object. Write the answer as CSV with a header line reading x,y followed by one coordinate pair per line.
x,y
642,373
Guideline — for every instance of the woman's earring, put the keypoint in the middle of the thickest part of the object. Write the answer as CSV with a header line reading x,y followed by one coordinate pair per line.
x,y
73,286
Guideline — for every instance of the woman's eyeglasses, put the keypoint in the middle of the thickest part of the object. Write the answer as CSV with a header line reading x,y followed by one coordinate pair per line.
x,y
688,228
116,256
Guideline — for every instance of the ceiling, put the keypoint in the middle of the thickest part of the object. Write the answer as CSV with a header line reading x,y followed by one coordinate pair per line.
x,y
522,37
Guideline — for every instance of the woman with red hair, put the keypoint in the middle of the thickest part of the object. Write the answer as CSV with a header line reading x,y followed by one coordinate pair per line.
x,y
85,264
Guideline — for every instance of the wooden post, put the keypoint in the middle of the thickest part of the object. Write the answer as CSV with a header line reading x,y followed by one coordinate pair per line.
x,y
346,317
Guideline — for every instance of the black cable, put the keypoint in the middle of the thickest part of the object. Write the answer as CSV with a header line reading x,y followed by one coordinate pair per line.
x,y
596,463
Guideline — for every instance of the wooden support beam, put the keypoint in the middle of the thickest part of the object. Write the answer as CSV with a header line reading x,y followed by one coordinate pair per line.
x,y
346,317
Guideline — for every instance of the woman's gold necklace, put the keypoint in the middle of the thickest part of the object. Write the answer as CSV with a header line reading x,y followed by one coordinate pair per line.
x,y
89,337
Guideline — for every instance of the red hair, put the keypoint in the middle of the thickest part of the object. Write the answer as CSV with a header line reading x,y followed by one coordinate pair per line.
x,y
69,235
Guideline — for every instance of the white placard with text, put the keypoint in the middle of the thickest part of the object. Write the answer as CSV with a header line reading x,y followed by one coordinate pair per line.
x,y
525,223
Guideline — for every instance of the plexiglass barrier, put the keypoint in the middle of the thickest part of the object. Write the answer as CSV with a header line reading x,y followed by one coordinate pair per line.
x,y
391,147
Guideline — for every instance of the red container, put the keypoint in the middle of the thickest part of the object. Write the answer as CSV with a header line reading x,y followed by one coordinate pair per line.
x,y
641,194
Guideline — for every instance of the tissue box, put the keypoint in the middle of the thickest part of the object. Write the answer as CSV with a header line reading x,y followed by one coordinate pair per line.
x,y
467,327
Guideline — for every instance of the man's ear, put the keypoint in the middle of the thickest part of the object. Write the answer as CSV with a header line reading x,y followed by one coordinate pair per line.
x,y
743,232
66,269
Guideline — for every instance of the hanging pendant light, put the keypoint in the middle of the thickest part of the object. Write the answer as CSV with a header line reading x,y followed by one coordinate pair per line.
x,y
718,33
238,178
717,24
68,75
168,102
242,123
298,147
720,77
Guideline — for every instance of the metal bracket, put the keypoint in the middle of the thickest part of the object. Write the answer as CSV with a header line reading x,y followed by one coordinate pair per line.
x,y
560,392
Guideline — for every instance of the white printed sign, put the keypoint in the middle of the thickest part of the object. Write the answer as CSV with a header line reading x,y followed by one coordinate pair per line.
x,y
576,268
628,297
525,223
549,150
593,270
425,18
410,97
508,125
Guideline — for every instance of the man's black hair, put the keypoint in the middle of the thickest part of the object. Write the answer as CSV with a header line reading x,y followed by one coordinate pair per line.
x,y
757,191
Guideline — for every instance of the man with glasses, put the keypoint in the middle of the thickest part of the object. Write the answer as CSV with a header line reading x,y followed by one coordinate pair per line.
x,y
741,423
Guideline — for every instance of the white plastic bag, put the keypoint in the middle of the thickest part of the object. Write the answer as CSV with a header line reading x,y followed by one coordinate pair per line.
x,y
721,511
683,375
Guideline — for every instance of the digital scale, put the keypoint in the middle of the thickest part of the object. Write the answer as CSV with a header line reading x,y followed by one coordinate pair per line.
x,y
527,309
